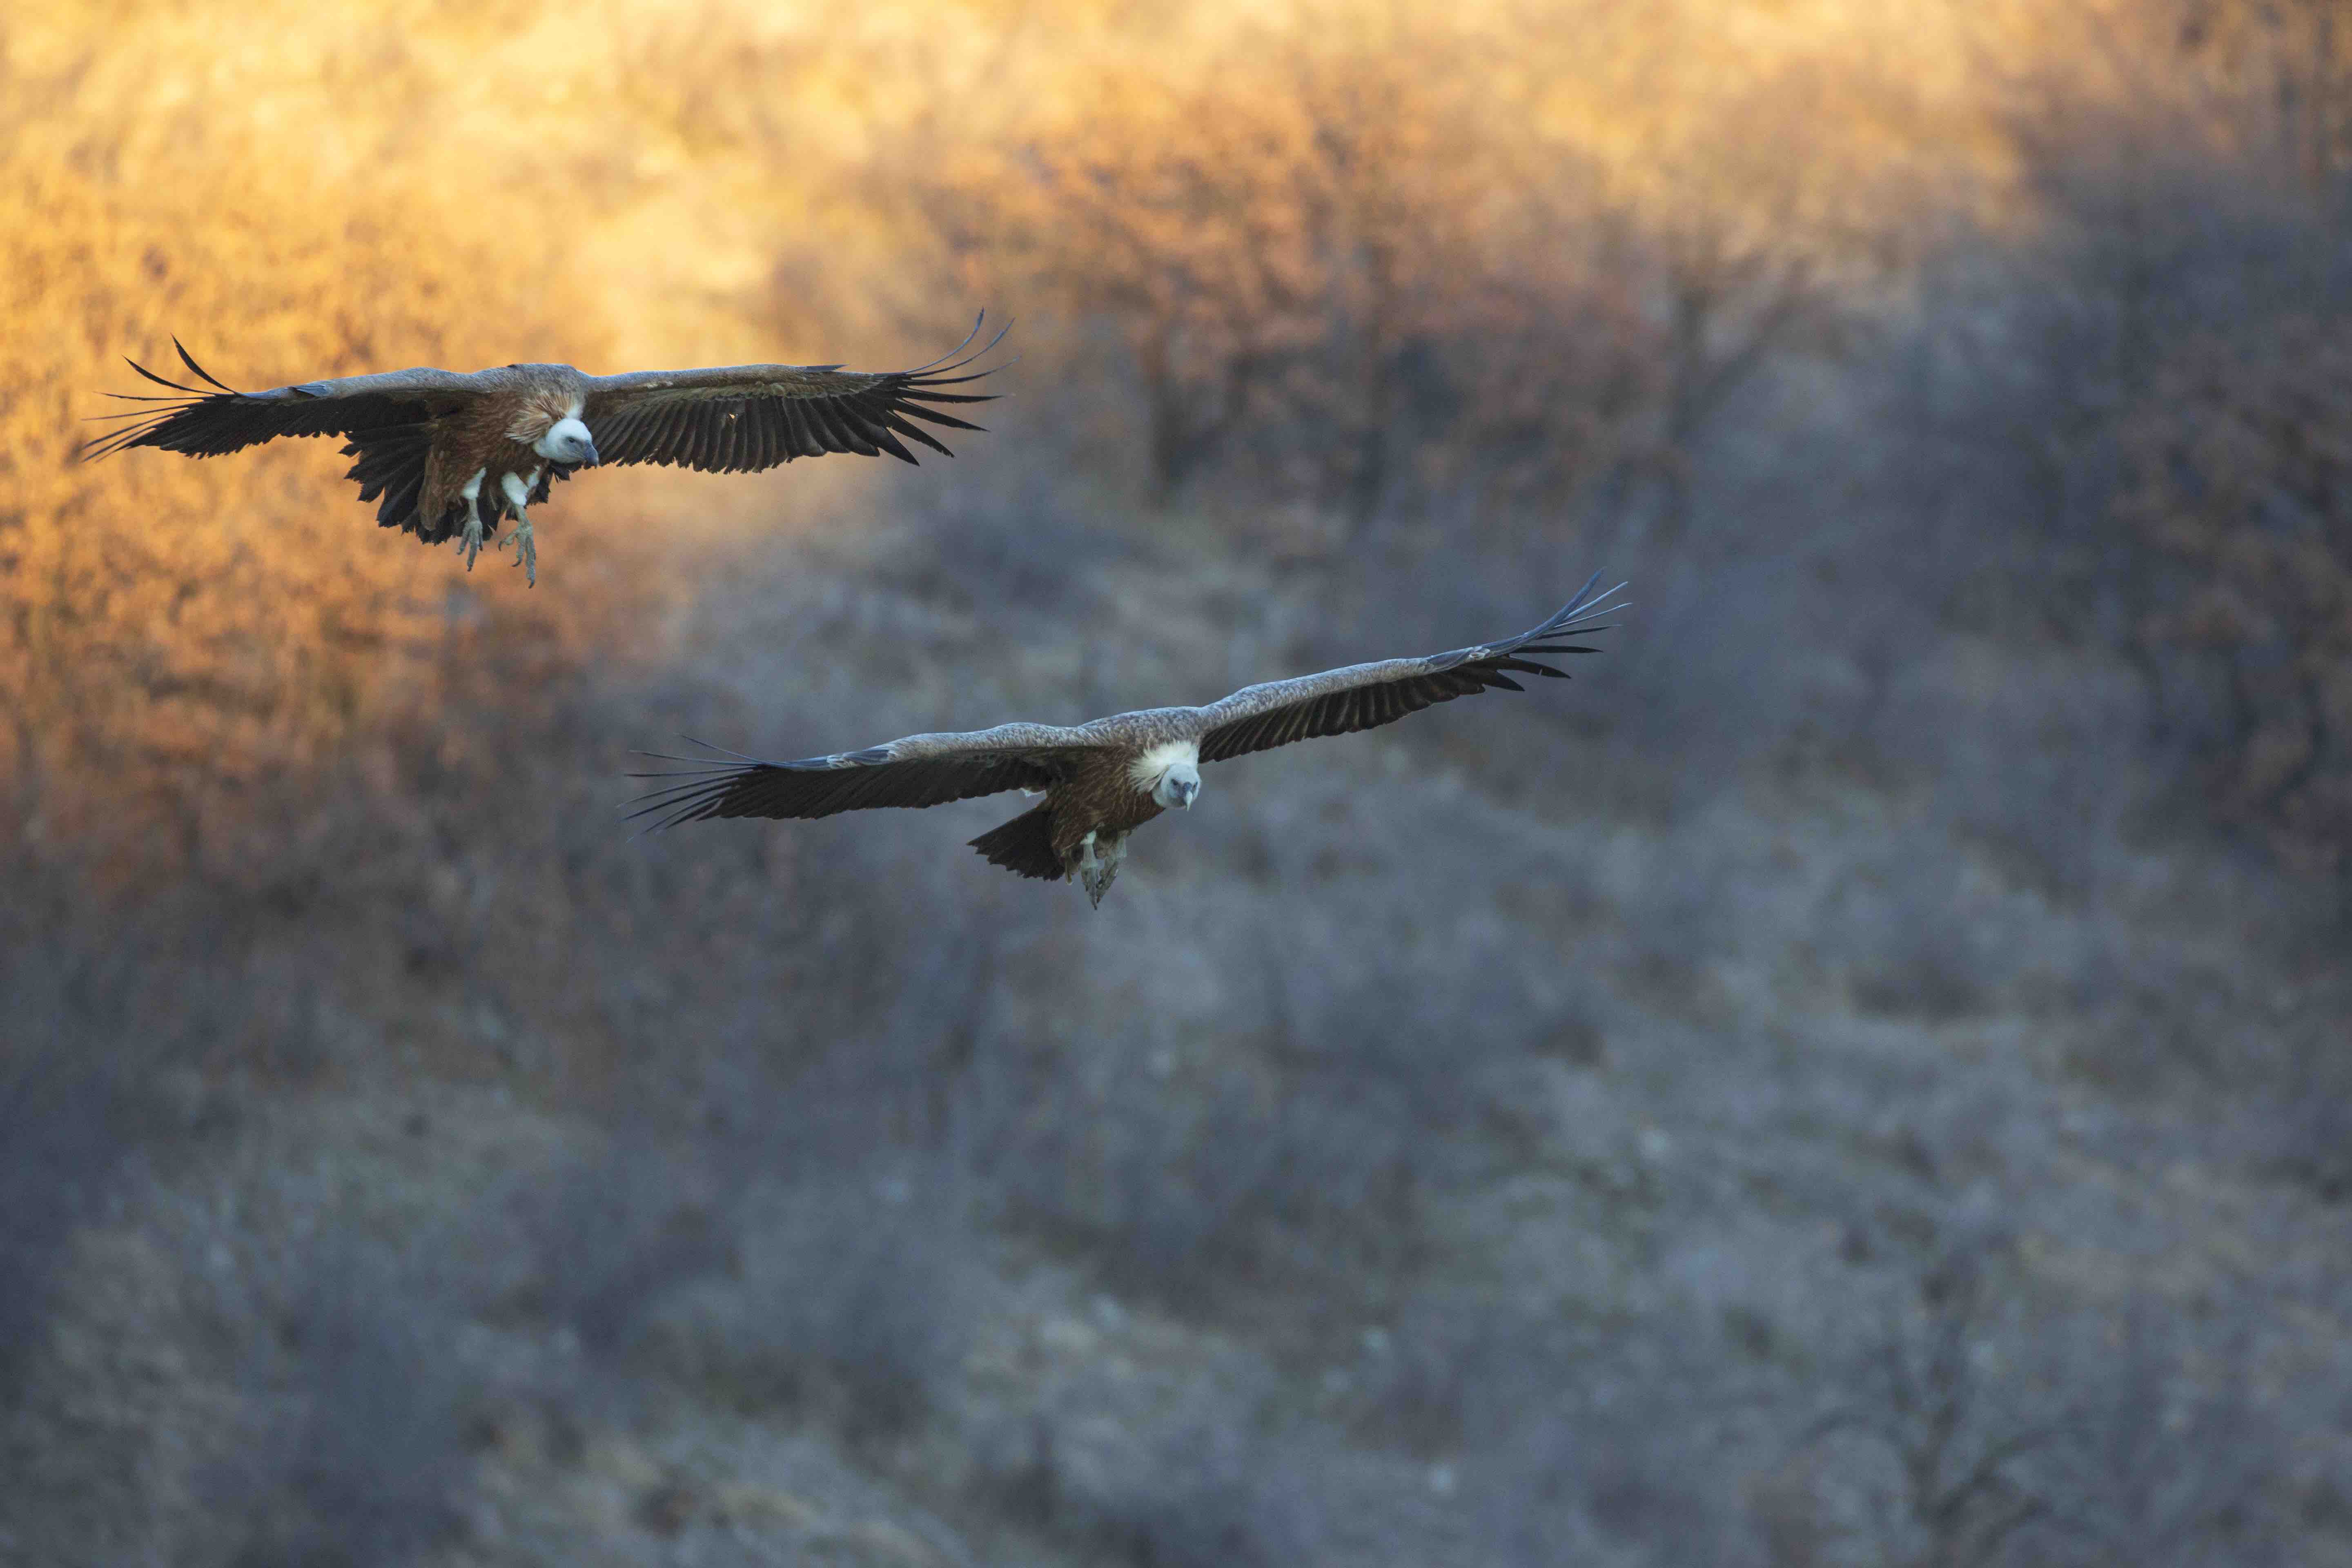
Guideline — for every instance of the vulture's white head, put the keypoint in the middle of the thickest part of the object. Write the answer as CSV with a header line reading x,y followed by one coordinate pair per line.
x,y
568,442
1174,772
1178,785
1170,772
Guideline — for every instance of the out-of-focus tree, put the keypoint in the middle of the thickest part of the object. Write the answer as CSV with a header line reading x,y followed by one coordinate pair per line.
x,y
1347,247
2293,56
1956,1431
1979,1425
2169,391
2175,1461
1758,220
1326,254
2238,462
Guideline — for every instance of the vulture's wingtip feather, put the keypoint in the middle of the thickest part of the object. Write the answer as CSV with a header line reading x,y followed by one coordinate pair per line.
x,y
693,740
951,354
667,756
201,372
956,359
175,386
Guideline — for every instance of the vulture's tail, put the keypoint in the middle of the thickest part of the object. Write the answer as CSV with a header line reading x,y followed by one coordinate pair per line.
x,y
392,465
1023,846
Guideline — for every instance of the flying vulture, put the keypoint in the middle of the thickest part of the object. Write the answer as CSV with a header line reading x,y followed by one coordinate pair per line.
x,y
1104,779
454,456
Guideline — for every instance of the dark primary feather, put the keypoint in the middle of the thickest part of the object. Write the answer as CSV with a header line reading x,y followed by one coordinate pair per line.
x,y
916,770
740,418
208,424
1366,696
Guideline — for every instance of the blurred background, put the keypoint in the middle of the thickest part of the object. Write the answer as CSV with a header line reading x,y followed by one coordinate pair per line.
x,y
1858,1078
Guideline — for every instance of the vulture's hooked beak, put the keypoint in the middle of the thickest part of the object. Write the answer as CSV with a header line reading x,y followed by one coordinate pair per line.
x,y
592,460
1184,790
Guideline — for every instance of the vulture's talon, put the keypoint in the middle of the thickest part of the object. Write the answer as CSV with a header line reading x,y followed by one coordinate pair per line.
x,y
526,552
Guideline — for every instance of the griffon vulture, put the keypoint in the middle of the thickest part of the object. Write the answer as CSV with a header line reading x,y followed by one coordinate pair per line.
x,y
1104,779
455,456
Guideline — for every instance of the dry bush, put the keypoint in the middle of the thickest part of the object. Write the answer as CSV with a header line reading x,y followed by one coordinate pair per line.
x,y
2296,55
855,1307
63,1138
2164,391
1213,1498
359,1414
1327,252
2238,465
1337,253
1995,1426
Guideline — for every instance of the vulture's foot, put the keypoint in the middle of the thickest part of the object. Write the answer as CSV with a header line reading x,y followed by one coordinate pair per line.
x,y
469,542
526,548
1096,870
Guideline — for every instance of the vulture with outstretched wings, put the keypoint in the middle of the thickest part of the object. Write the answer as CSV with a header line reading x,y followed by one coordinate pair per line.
x,y
1104,779
453,456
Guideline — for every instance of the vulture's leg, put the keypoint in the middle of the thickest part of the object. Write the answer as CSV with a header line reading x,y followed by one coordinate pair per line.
x,y
527,554
470,544
1096,870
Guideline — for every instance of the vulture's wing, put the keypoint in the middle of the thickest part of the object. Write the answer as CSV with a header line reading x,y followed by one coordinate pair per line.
x,y
737,419
1364,696
207,424
920,770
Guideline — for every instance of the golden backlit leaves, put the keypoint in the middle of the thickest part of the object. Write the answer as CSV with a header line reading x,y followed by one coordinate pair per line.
x,y
172,628
1562,230
298,190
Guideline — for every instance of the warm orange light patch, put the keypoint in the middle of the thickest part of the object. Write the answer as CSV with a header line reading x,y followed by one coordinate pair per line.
x,y
302,192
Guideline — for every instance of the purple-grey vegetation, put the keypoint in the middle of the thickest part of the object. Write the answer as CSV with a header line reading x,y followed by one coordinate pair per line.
x,y
1859,1077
